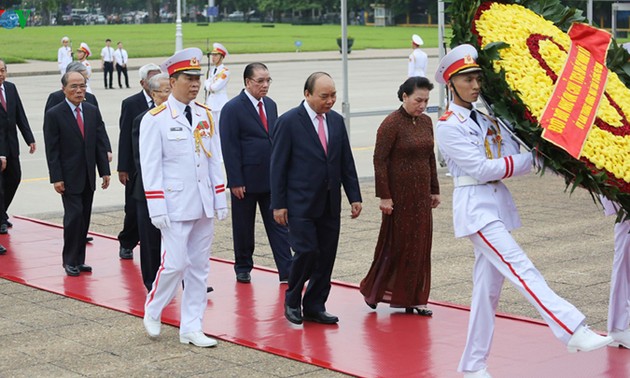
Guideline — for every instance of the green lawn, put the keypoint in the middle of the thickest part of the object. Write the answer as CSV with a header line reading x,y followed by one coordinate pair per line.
x,y
41,43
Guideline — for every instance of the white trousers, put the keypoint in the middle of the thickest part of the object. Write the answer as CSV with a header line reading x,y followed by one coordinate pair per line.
x,y
499,257
619,307
185,256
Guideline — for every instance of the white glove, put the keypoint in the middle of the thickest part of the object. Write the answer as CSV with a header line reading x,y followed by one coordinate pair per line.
x,y
222,213
161,222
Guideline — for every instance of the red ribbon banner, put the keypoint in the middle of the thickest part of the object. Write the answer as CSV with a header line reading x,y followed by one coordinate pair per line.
x,y
571,110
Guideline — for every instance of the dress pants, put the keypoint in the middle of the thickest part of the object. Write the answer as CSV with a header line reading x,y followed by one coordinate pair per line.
x,y
129,237
243,228
120,69
77,209
185,255
618,310
150,239
12,176
108,70
499,257
314,242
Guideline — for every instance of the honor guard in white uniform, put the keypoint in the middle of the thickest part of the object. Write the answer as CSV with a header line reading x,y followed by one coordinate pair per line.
x,y
216,84
83,52
618,311
479,155
417,59
64,55
184,186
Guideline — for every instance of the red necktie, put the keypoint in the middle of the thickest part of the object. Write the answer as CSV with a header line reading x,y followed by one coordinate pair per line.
x,y
80,121
321,132
261,113
2,100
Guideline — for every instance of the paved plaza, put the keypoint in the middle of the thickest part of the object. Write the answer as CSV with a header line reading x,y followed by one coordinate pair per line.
x,y
47,335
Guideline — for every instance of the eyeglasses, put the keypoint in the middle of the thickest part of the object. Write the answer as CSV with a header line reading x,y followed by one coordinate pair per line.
x,y
261,81
74,87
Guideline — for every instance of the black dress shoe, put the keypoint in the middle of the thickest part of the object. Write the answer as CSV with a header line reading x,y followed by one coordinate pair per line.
x,y
209,289
2,250
84,268
4,229
89,239
321,317
125,253
294,315
243,277
371,305
9,224
72,271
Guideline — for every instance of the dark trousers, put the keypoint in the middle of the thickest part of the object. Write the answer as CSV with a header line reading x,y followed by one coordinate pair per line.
x,y
108,70
314,242
77,209
243,224
129,237
150,241
11,178
120,69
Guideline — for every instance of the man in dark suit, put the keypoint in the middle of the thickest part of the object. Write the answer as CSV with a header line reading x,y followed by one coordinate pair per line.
x,y
150,236
131,107
11,115
310,160
247,121
76,144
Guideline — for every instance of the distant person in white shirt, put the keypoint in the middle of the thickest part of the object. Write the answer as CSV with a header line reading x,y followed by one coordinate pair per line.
x,y
64,55
107,63
82,54
121,58
417,59
216,84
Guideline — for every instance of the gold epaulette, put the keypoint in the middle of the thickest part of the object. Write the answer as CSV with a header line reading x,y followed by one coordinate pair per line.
x,y
446,115
157,109
203,105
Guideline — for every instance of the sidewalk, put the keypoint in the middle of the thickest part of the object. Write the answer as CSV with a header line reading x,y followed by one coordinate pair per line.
x,y
38,67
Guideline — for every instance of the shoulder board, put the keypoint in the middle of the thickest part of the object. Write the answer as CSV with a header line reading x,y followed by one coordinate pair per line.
x,y
203,105
157,109
446,115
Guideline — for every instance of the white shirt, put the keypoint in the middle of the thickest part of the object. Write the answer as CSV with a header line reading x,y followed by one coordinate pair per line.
x,y
108,54
313,116
255,102
74,108
120,55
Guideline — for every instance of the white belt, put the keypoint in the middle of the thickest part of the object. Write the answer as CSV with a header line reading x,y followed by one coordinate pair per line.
x,y
469,181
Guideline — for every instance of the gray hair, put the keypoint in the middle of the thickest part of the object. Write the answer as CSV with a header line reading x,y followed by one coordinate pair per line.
x,y
144,70
64,78
154,81
76,66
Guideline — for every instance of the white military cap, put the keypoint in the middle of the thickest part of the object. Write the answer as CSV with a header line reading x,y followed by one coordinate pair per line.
x,y
65,38
461,59
218,48
85,48
187,61
417,40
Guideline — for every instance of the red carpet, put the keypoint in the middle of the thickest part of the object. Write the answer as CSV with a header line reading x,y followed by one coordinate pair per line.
x,y
383,343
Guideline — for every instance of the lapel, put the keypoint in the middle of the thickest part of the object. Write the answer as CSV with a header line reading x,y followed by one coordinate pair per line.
x,y
307,124
253,111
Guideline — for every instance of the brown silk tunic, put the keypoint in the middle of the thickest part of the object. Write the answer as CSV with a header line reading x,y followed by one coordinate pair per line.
x,y
405,171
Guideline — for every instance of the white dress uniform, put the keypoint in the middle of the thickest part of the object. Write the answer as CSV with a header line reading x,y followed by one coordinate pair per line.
x,y
418,59
618,309
183,179
478,158
216,84
64,57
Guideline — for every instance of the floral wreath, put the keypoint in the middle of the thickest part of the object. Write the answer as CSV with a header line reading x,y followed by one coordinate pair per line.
x,y
522,54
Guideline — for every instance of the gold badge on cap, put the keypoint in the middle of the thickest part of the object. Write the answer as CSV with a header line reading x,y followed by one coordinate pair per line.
x,y
468,59
194,62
